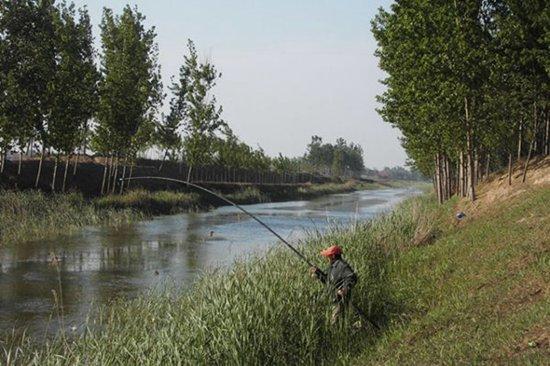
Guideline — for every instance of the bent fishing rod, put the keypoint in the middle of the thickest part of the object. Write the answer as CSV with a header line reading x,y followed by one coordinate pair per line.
x,y
255,218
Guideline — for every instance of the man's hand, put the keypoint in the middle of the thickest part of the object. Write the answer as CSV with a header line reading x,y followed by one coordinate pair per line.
x,y
313,271
342,292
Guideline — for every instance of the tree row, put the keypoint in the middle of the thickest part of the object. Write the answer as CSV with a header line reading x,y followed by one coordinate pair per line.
x,y
60,98
467,85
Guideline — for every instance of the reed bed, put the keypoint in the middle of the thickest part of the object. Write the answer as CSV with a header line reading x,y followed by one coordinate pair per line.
x,y
151,203
28,215
248,195
264,311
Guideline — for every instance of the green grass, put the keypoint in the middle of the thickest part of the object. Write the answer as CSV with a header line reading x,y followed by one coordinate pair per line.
x,y
32,215
479,294
151,203
248,195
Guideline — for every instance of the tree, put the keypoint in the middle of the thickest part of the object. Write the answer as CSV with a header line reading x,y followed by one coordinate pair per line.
x,y
201,117
130,88
74,86
28,67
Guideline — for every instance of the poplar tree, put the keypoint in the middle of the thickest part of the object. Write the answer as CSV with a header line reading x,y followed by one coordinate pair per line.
x,y
75,84
201,117
130,88
28,59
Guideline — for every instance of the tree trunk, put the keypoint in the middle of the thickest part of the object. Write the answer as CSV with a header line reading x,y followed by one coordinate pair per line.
x,y
527,162
532,144
40,166
163,159
115,175
462,175
54,176
77,158
130,175
29,148
438,178
65,173
547,134
477,170
189,173
442,178
20,162
104,177
109,175
487,163
520,138
123,175
470,151
509,169
449,177
2,161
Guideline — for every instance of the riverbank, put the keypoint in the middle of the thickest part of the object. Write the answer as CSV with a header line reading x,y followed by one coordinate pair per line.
x,y
28,215
442,290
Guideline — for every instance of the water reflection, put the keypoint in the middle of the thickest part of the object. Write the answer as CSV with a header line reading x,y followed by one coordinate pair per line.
x,y
98,264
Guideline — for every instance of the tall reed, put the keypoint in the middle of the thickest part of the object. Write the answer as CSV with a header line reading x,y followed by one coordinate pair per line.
x,y
29,215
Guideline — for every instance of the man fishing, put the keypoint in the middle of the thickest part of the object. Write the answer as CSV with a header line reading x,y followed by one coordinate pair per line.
x,y
339,278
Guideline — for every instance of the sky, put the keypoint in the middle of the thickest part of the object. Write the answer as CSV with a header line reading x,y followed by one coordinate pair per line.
x,y
290,69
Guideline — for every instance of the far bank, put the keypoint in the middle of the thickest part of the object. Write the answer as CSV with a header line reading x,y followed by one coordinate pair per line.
x,y
28,215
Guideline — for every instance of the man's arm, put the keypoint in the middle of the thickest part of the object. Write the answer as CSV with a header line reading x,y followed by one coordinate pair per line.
x,y
319,274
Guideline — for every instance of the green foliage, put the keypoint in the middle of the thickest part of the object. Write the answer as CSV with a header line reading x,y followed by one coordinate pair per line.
x,y
340,158
230,152
75,83
27,59
201,117
462,76
130,89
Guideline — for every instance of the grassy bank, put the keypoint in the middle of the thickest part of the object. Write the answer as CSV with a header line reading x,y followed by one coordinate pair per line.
x,y
150,203
478,295
33,215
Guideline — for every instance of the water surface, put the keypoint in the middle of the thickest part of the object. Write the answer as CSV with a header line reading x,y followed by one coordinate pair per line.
x,y
98,264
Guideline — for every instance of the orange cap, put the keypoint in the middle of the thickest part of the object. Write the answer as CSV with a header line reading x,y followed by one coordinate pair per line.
x,y
330,251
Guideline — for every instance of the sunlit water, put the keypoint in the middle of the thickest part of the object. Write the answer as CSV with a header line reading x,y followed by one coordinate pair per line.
x,y
99,264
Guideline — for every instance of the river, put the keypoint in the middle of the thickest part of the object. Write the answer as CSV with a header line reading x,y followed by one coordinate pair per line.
x,y
99,264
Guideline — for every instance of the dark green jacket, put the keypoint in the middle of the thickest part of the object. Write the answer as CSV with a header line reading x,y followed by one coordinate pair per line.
x,y
337,276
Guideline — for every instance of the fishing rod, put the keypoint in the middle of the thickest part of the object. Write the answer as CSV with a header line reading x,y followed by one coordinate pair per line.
x,y
255,218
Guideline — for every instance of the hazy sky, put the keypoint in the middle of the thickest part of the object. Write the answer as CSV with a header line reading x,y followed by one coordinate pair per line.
x,y
291,69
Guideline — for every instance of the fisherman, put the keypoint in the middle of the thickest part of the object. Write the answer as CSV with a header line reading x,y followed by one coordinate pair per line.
x,y
339,278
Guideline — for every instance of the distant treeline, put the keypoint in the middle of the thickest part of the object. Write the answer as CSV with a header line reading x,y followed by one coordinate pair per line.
x,y
467,85
62,98
395,173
